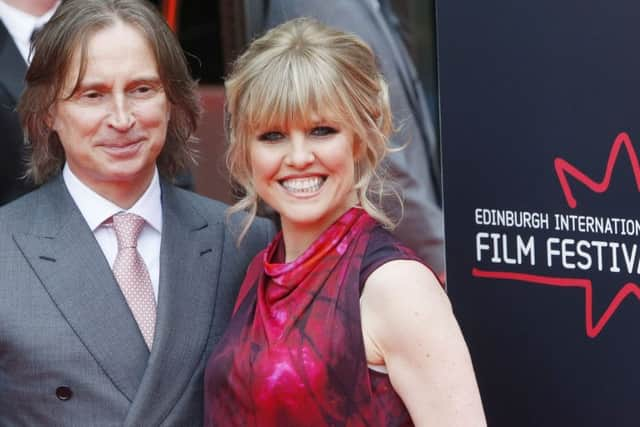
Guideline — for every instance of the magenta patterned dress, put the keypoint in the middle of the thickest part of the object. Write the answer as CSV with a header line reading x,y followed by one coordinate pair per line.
x,y
293,354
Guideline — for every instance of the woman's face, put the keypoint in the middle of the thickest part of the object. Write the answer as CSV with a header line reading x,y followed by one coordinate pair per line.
x,y
305,172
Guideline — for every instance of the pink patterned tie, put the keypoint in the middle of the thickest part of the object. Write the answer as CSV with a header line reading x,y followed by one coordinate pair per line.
x,y
132,275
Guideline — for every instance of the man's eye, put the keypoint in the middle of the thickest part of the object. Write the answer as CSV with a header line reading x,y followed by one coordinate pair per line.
x,y
92,95
144,90
323,131
270,136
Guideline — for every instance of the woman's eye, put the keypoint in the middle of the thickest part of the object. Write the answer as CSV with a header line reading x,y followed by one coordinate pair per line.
x,y
270,136
323,131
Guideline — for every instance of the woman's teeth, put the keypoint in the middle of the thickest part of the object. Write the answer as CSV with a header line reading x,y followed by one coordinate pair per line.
x,y
303,185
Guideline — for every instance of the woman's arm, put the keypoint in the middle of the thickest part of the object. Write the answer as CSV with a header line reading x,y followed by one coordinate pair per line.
x,y
409,326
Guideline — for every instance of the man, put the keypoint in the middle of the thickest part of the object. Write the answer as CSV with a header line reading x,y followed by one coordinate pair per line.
x,y
114,284
415,168
19,20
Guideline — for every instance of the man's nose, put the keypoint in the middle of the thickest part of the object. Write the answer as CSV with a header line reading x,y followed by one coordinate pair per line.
x,y
121,117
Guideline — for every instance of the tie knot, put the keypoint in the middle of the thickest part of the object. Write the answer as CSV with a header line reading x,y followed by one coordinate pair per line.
x,y
127,227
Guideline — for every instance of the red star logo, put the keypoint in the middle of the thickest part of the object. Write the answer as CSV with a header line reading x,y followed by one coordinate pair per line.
x,y
564,168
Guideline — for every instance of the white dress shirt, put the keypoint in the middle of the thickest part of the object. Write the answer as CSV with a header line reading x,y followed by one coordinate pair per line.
x,y
96,210
20,26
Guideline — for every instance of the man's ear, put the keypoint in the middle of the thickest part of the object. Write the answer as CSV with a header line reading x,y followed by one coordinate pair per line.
x,y
50,118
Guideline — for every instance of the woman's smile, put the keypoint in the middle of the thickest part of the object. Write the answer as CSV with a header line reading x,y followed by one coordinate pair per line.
x,y
303,186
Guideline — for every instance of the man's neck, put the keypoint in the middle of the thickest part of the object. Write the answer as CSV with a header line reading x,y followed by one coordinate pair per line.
x,y
32,7
123,194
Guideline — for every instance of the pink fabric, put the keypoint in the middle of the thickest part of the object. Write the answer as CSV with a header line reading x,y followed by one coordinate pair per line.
x,y
293,354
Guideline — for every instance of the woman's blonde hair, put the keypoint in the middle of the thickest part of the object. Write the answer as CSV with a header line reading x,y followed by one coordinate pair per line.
x,y
297,69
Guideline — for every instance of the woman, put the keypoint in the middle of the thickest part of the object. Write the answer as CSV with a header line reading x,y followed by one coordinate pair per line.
x,y
336,322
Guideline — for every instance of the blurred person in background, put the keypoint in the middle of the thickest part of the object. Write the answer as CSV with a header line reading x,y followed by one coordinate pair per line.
x,y
20,20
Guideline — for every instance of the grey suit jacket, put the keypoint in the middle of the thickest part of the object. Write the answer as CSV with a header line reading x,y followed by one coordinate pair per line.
x,y
413,168
71,353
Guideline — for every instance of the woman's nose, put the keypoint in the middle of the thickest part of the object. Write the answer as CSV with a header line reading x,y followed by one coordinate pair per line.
x,y
300,154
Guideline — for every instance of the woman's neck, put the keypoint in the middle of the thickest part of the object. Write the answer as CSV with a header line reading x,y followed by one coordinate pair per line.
x,y
297,240
298,237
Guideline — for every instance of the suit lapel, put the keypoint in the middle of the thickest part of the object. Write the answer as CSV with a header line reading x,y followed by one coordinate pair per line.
x,y
13,66
189,268
65,256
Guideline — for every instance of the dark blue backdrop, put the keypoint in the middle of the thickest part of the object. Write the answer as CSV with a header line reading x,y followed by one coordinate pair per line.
x,y
521,85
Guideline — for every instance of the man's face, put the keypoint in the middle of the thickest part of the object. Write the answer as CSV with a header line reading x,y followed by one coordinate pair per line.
x,y
113,127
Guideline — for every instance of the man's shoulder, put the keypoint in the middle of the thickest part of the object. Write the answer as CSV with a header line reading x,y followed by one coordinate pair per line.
x,y
22,210
217,211
205,205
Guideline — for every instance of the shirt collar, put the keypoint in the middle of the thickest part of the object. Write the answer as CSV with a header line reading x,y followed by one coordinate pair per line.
x,y
96,209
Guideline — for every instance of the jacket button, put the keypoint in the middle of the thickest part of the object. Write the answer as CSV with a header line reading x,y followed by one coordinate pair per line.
x,y
64,393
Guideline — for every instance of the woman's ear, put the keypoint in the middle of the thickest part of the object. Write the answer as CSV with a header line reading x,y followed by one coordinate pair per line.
x,y
359,148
